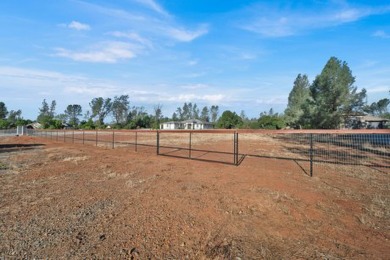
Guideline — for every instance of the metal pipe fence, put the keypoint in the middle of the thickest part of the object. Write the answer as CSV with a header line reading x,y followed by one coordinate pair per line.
x,y
312,151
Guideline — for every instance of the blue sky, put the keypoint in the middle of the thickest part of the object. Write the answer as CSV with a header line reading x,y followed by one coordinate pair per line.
x,y
240,55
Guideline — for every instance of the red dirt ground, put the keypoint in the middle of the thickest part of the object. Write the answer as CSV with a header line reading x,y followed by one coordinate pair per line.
x,y
77,201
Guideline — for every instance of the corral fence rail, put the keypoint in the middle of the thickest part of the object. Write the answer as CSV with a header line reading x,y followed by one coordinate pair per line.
x,y
310,149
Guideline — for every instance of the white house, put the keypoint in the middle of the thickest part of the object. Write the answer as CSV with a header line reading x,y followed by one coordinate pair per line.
x,y
172,125
369,122
192,124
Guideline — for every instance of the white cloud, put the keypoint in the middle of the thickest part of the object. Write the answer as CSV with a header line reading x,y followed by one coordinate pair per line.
x,y
380,89
195,86
79,26
154,6
106,52
185,35
381,34
91,91
148,24
275,22
132,36
196,98
272,101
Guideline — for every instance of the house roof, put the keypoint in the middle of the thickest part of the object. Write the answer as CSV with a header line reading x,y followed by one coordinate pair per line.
x,y
171,122
190,121
194,121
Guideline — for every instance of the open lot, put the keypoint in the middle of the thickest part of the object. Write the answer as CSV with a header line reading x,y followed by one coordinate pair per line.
x,y
79,201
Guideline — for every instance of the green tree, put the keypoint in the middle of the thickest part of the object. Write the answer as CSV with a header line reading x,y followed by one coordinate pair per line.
x,y
14,117
271,121
331,92
87,124
214,111
4,124
46,113
120,109
299,94
73,112
229,120
195,112
382,105
157,115
179,113
3,111
52,108
205,114
100,108
175,117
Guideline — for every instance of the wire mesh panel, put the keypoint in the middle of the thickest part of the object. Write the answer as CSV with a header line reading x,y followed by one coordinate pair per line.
x,y
372,150
311,151
287,149
199,145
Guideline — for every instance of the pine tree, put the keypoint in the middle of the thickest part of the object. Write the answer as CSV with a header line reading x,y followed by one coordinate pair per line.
x,y
296,99
332,92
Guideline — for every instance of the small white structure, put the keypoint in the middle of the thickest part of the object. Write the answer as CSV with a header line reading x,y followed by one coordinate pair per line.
x,y
192,124
21,130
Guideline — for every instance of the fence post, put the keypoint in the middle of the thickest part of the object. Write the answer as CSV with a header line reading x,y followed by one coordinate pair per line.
x,y
236,148
113,139
190,144
83,136
311,153
158,143
96,137
73,136
57,135
64,137
136,140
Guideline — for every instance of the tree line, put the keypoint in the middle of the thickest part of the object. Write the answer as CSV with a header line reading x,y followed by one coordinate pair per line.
x,y
323,104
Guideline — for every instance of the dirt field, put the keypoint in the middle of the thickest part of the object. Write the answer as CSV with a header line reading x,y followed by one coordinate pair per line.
x,y
78,201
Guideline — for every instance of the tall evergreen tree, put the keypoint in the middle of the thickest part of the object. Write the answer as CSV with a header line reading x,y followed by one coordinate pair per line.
x,y
205,114
3,111
296,99
46,113
214,111
332,92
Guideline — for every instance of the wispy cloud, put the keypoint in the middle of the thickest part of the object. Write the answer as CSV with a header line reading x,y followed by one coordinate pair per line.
x,y
195,86
154,6
270,21
105,52
77,26
381,34
145,23
133,37
185,35
211,98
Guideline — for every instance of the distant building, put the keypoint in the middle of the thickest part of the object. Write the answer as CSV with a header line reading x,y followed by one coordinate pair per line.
x,y
192,124
35,125
366,122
